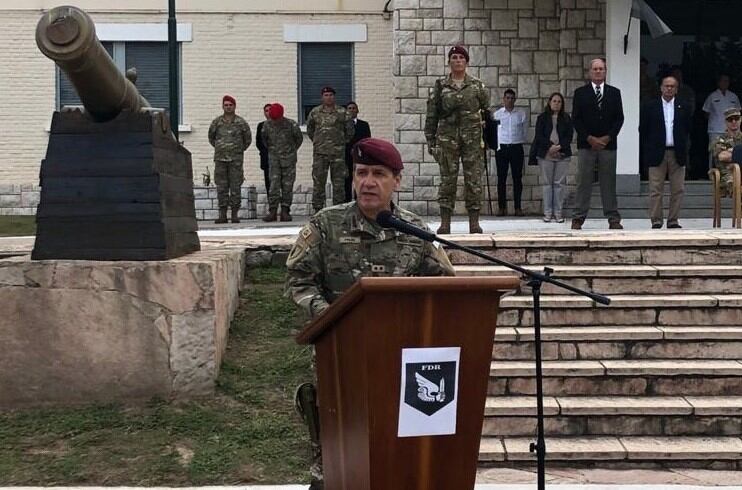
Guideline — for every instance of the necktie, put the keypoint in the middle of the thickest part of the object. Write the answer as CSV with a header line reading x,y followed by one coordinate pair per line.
x,y
599,97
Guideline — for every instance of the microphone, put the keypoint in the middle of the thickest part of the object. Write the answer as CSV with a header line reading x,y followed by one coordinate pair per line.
x,y
387,220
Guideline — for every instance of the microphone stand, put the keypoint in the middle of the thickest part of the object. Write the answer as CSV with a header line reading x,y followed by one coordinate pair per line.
x,y
535,281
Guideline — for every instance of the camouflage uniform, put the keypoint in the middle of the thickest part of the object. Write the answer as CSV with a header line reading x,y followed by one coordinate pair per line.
x,y
726,141
453,128
329,129
230,140
338,246
283,138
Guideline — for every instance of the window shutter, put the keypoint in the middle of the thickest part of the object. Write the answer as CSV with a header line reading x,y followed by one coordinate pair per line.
x,y
67,94
322,64
151,61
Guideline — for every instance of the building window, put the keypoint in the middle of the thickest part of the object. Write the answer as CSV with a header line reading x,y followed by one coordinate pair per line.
x,y
322,64
150,58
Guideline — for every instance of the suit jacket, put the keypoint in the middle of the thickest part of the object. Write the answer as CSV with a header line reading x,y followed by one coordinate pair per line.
x,y
589,120
261,146
652,131
362,131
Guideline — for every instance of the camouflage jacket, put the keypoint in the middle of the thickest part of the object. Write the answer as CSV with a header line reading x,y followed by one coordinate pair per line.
x,y
726,141
330,130
453,109
339,245
282,137
229,139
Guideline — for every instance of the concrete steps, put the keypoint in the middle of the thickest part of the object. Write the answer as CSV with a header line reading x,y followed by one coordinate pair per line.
x,y
621,452
655,378
619,342
631,279
619,377
512,416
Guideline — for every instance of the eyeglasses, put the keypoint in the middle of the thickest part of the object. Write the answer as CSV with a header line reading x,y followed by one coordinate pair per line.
x,y
733,118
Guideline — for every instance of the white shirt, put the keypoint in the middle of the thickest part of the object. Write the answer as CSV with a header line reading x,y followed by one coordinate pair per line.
x,y
513,126
715,105
668,108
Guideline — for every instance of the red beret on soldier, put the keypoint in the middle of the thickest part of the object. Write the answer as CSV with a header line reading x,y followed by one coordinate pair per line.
x,y
229,98
275,111
374,151
326,89
459,49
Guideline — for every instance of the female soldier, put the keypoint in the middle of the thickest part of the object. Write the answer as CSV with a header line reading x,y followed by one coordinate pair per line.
x,y
453,129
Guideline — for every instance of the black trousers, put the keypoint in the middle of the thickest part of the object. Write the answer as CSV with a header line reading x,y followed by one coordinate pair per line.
x,y
509,156
267,177
349,181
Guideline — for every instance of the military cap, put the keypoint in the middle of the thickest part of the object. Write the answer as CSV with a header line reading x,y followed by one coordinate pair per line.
x,y
275,111
459,49
375,151
327,88
229,98
731,112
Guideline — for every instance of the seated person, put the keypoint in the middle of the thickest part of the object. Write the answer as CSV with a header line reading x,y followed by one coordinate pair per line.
x,y
722,148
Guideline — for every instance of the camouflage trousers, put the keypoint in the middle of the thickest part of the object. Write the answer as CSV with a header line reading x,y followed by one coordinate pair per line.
x,y
448,154
282,171
335,164
228,177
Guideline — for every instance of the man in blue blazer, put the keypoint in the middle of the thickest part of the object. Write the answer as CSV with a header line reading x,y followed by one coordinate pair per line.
x,y
664,126
597,114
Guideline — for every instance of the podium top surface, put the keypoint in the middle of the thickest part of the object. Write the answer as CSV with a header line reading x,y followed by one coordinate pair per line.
x,y
409,285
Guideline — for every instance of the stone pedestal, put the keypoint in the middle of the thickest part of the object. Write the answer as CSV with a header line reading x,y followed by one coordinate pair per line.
x,y
84,331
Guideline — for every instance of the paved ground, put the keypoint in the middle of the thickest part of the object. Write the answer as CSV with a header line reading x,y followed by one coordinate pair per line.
x,y
459,225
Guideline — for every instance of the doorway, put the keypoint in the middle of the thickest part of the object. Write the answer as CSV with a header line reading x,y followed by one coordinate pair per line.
x,y
705,43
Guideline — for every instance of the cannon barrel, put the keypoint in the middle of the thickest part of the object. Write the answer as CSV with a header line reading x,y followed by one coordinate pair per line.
x,y
66,35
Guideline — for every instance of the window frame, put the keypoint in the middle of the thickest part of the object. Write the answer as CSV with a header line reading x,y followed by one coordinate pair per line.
x,y
299,88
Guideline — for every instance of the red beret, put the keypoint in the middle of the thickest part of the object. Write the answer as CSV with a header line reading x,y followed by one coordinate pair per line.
x,y
373,151
229,98
327,89
275,111
459,49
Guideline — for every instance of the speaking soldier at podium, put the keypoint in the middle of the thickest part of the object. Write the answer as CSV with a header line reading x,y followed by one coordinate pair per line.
x,y
343,243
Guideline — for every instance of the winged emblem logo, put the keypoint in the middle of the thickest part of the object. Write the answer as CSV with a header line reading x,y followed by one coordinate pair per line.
x,y
428,391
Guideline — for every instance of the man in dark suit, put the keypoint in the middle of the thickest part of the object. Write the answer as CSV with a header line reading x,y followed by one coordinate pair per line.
x,y
362,131
664,127
263,150
597,114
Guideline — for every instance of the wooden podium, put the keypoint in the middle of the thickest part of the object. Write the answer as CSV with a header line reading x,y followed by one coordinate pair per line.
x,y
359,342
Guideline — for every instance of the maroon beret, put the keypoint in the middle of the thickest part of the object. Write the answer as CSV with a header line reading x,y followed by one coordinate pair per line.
x,y
327,89
229,98
459,49
275,111
374,151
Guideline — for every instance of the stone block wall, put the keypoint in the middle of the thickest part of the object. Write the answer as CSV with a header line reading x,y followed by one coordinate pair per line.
x,y
19,199
535,47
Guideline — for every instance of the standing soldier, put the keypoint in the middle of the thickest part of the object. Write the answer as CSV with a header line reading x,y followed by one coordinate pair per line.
x,y
453,129
330,128
230,136
282,137
722,146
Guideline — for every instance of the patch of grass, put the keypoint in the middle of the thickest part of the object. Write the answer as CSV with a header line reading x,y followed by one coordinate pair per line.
x,y
17,225
247,433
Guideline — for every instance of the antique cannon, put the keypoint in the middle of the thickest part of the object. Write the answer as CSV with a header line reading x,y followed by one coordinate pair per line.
x,y
66,35
115,183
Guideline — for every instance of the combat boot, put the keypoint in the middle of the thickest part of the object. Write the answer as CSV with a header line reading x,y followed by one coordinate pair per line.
x,y
445,228
474,221
235,215
285,214
222,216
271,216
